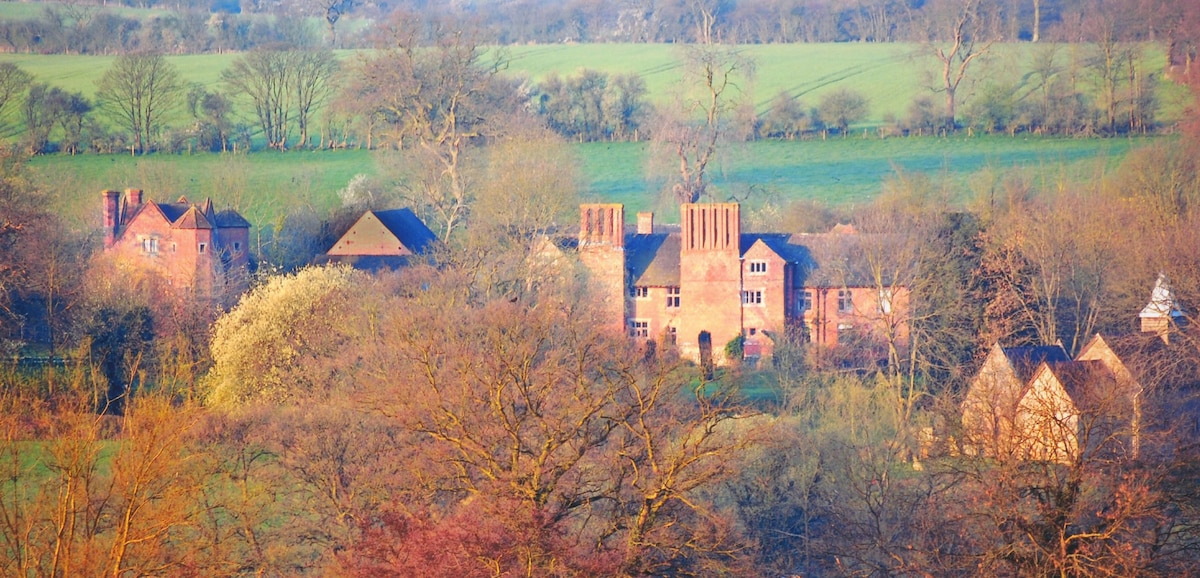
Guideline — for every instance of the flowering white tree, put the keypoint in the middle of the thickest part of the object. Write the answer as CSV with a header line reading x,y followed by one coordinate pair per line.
x,y
281,340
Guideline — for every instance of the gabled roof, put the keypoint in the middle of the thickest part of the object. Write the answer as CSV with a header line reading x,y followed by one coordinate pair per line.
x,y
1025,360
185,215
391,233
1088,383
407,228
192,219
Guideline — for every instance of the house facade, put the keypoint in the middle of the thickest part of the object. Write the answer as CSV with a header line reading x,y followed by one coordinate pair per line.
x,y
702,283
191,245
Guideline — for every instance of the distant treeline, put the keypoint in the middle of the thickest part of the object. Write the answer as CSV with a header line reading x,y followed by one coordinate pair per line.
x,y
193,26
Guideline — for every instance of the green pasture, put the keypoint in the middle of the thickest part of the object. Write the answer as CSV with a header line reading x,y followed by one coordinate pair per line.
x,y
890,75
845,172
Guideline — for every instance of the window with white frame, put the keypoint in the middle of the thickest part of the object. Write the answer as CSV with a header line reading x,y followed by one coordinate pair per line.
x,y
203,248
639,292
758,267
752,297
672,335
845,302
150,245
672,297
639,328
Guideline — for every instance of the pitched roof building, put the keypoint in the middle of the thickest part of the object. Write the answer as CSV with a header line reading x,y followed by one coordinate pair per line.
x,y
190,244
701,284
1036,403
382,239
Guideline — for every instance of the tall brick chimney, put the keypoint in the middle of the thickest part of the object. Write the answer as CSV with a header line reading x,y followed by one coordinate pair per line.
x,y
602,251
711,227
133,197
602,224
645,223
109,212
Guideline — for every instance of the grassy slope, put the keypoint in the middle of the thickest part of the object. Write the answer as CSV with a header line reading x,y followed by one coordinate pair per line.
x,y
891,75
838,171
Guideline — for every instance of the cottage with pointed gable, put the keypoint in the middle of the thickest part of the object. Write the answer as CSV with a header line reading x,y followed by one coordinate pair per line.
x,y
989,408
382,240
1035,403
703,283
191,245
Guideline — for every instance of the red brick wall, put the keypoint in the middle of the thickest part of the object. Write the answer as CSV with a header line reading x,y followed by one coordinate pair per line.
x,y
176,256
602,252
775,284
710,272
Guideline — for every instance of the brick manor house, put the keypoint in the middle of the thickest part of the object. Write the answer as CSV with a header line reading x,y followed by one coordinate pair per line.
x,y
191,245
702,283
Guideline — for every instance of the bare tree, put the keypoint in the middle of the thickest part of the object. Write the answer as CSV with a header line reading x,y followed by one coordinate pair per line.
x,y
265,77
442,99
958,34
716,76
332,11
313,82
140,91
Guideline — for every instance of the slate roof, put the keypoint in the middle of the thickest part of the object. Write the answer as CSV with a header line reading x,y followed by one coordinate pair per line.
x,y
653,260
823,260
406,227
192,219
1025,360
231,219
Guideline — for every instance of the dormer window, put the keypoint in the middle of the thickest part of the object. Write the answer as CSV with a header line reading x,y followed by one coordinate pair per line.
x,y
758,267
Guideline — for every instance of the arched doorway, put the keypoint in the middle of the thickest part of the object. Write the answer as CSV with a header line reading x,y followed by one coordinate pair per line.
x,y
706,359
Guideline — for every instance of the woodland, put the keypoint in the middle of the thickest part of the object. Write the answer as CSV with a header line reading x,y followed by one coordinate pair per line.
x,y
468,416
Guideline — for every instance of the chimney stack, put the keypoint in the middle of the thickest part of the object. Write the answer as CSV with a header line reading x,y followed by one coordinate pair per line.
x,y
645,223
109,211
134,197
602,224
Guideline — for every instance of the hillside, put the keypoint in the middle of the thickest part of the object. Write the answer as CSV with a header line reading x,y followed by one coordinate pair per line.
x,y
890,75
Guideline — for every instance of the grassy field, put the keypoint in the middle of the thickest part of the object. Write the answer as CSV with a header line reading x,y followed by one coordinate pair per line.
x,y
844,172
891,75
